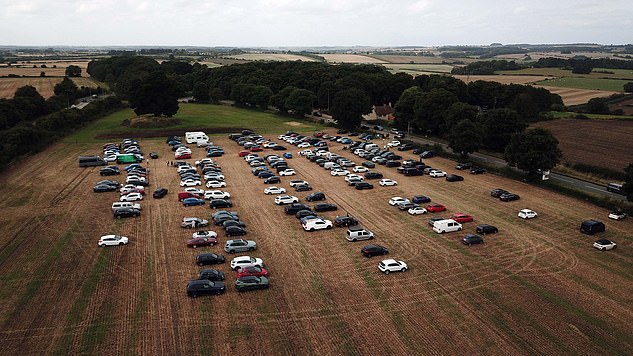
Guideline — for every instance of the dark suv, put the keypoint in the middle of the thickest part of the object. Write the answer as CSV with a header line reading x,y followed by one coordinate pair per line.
x,y
373,175
471,239
211,274
341,221
126,213
325,207
315,196
205,287
293,208
374,250
209,259
159,193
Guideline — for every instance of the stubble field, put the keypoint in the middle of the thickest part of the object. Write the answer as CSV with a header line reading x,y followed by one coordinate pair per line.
x,y
537,287
44,85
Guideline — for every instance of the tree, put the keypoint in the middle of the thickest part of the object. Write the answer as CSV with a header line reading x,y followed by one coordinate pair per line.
x,y
499,126
260,96
300,101
216,94
627,188
582,66
279,100
458,112
430,109
628,87
533,150
28,103
404,108
156,94
348,107
598,106
73,71
465,137
201,92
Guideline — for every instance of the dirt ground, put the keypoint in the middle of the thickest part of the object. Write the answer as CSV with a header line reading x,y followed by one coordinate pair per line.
x,y
536,287
572,96
602,143
45,86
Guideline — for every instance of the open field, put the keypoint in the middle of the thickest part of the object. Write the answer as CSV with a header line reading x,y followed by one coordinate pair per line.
x,y
44,86
417,69
350,58
535,56
53,68
577,96
537,287
623,74
420,60
199,116
503,79
271,57
602,143
614,85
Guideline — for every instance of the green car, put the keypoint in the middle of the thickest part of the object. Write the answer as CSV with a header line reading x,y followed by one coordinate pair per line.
x,y
251,282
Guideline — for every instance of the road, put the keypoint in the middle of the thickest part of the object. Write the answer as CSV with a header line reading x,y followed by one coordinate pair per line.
x,y
564,180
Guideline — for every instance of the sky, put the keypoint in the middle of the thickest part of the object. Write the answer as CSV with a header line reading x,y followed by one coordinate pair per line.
x,y
311,23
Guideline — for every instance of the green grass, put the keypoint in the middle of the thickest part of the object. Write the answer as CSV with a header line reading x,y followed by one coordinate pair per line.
x,y
623,74
570,114
585,83
200,116
413,68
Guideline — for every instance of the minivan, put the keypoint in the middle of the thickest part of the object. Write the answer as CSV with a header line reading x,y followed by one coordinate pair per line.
x,y
446,225
125,204
591,227
355,233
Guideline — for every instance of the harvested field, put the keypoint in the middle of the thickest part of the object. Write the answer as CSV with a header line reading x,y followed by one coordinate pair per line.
x,y
44,86
602,143
271,57
417,69
536,287
350,58
419,59
53,68
577,96
503,79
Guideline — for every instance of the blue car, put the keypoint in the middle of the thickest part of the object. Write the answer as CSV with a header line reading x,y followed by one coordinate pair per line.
x,y
265,174
192,202
346,141
287,155
132,166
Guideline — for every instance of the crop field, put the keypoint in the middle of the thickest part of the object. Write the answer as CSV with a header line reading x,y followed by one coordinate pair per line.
x,y
34,68
417,69
44,86
585,83
559,72
577,96
271,57
536,287
503,79
350,58
601,143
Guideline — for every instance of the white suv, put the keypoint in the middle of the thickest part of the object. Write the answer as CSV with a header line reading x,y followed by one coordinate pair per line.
x,y
216,194
286,199
527,214
316,224
246,261
392,265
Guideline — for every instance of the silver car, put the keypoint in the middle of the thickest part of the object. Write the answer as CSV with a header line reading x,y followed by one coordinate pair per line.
x,y
240,245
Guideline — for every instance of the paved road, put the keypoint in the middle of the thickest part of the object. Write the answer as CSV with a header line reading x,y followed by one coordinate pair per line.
x,y
578,184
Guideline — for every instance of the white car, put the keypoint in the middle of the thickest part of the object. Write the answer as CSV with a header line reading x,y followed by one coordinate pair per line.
x,y
316,224
604,245
437,173
213,176
617,215
527,214
360,169
418,210
215,184
353,176
110,158
286,199
184,167
305,152
287,172
131,197
339,172
274,190
190,183
216,194
303,145
128,190
204,233
203,162
204,144
246,261
398,200
133,177
296,182
194,190
270,144
112,240
393,144
392,265
386,182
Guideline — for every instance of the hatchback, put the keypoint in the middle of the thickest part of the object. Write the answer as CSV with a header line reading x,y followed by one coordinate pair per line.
x,y
470,239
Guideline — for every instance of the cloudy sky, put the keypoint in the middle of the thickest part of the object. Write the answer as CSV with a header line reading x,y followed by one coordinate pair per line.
x,y
268,23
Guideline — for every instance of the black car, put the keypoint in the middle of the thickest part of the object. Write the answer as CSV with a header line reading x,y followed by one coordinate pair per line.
x,y
104,188
220,203
272,180
303,187
109,171
509,197
227,223
419,199
144,183
470,239
279,148
373,175
303,213
498,192
234,231
405,147
211,275
374,250
209,259
477,170
315,196
345,220
265,174
464,165
205,287
221,219
159,193
486,229
341,131
153,155
454,178
393,164
225,212
427,154
368,164
126,213
417,151
363,185
292,209
325,207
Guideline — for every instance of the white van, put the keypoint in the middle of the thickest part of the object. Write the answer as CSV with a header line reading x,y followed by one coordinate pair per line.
x,y
446,225
370,146
195,137
125,204
355,233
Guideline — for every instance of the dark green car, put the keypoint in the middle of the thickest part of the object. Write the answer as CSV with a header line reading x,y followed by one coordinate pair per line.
x,y
251,282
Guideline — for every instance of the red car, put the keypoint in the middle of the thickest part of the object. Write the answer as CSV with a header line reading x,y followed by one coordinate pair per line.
x,y
244,153
256,149
318,134
462,218
183,156
252,271
202,241
434,208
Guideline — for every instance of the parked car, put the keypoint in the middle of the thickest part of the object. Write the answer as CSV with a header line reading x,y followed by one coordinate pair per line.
x,y
604,245
153,155
325,207
234,230
200,287
134,196
272,180
274,190
109,171
368,164
113,240
303,213
241,245
373,175
527,214
419,199
201,241
471,239
374,250
192,202
357,232
204,233
287,172
251,271
245,261
591,227
316,224
216,194
292,209
363,185
286,199
617,215
436,173
454,178
243,284
296,182
360,169
211,275
316,196
486,229
160,193
215,184
209,259
392,265
427,154
193,222
386,182
446,225
509,197
498,192
418,210
398,200
231,222
220,203
104,188
464,165
434,208
303,188
477,170
462,218
345,220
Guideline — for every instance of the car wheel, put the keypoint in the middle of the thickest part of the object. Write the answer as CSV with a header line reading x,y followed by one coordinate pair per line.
x,y
118,216
403,269
121,244
195,246
251,249
193,295
311,229
603,249
460,229
328,227
101,245
354,240
200,264
386,271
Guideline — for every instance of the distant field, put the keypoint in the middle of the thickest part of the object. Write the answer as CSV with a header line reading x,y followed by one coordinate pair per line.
x,y
44,85
200,116
571,115
503,79
573,96
417,69
559,72
585,83
26,68
211,64
350,58
272,57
